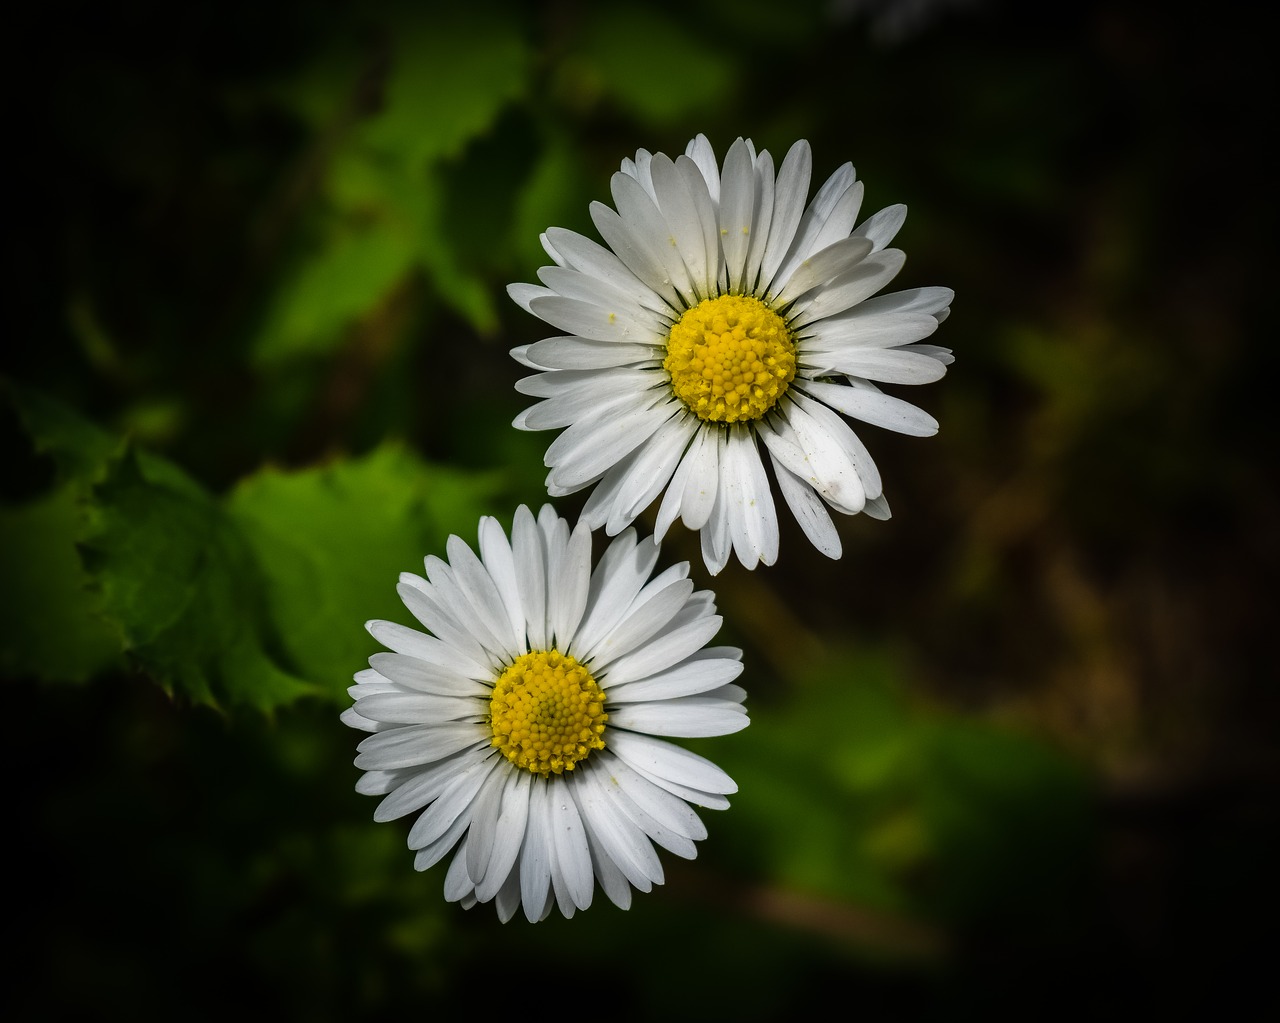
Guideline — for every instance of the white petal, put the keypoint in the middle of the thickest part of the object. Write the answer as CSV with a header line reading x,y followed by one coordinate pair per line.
x,y
891,366
791,191
760,225
822,266
689,717
737,212
453,803
567,581
417,674
589,383
932,301
590,447
528,549
595,322
665,816
877,508
943,355
703,481
482,596
569,841
508,835
753,521
699,150
499,562
521,354
695,675
871,406
828,341
680,212
640,625
418,597
580,353
809,510
619,837
692,466
595,260
705,206
638,253
577,404
523,294
431,649
670,762
421,786
828,218
507,899
883,226
418,708
715,539
411,745
642,215
457,881
841,433
619,576
621,301
635,482
669,649
609,862
429,855
847,290
484,823
826,464
379,783
535,856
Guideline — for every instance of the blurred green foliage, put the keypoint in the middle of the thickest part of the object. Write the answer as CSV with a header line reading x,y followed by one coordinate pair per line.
x,y
1018,739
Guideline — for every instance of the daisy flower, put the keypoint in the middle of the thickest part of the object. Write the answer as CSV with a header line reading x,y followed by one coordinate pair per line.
x,y
523,728
726,319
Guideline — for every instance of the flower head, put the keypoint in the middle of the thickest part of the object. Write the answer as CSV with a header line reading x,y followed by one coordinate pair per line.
x,y
523,729
725,317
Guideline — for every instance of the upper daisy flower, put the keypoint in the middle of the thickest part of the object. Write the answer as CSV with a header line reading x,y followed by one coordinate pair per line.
x,y
725,312
525,722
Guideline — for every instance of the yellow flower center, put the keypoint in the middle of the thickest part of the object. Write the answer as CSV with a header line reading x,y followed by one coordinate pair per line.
x,y
547,712
730,358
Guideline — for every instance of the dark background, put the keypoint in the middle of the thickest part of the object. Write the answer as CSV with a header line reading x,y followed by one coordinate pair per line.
x,y
1013,754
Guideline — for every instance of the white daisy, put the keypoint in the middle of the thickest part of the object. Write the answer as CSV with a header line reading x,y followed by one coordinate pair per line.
x,y
723,315
524,726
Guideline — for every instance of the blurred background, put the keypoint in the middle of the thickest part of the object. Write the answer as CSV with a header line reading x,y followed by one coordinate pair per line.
x,y
1013,754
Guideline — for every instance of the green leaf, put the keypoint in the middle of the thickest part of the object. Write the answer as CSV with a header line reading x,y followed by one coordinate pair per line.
x,y
650,65
360,263
333,541
51,625
79,448
448,84
553,194
177,578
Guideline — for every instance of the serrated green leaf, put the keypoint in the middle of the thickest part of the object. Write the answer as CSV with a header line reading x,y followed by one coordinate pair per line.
x,y
79,448
333,541
178,580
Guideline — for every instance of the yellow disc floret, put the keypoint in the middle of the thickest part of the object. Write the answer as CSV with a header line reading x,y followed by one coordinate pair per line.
x,y
547,713
730,358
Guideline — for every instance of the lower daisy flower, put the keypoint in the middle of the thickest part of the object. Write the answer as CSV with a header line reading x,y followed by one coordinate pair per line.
x,y
524,727
723,317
